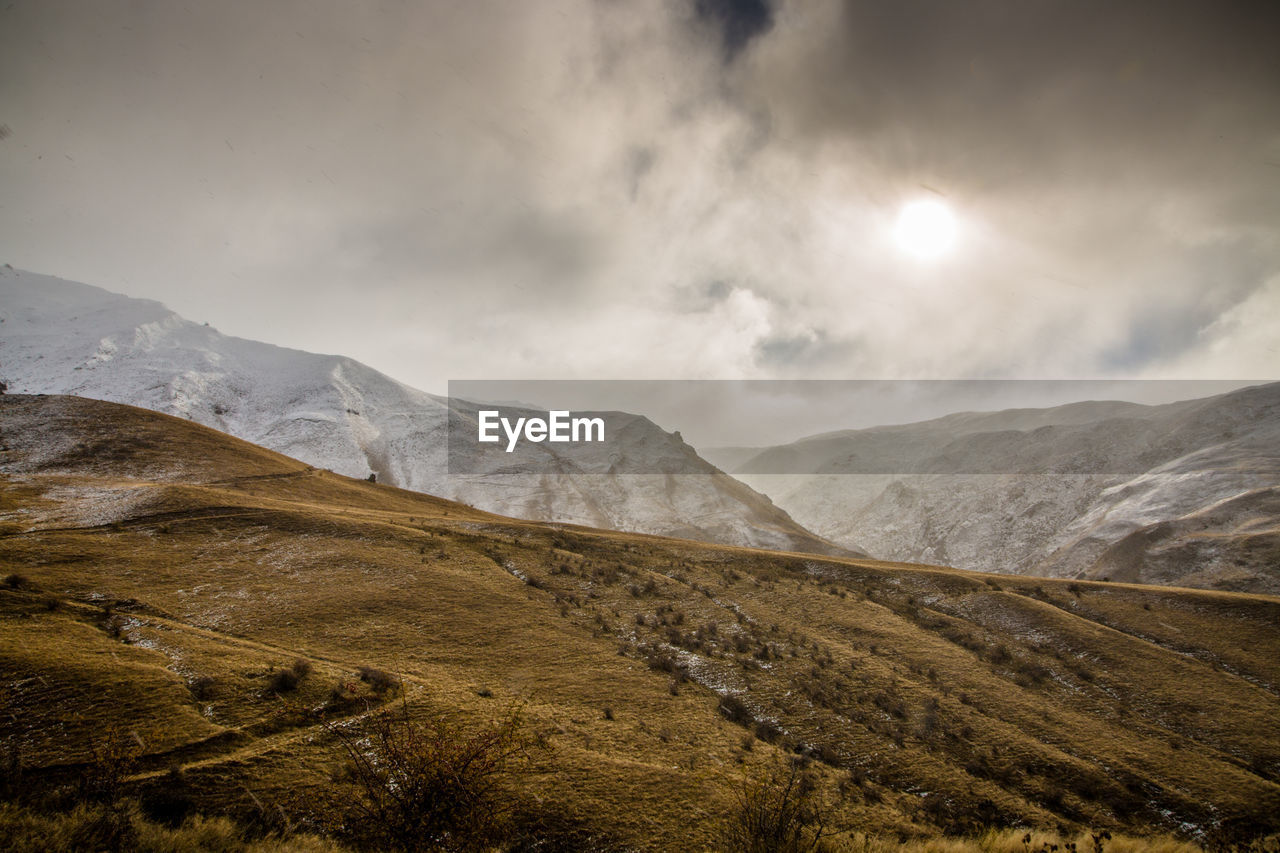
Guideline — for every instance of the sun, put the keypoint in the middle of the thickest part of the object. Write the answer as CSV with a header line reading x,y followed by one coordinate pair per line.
x,y
926,228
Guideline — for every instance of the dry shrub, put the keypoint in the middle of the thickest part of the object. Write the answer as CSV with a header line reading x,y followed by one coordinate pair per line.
x,y
431,782
283,681
779,810
378,680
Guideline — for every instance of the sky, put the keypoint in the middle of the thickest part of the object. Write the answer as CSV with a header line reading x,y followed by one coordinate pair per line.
x,y
664,189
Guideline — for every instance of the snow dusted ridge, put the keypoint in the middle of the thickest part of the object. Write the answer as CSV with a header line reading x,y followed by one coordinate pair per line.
x,y
61,337
1185,494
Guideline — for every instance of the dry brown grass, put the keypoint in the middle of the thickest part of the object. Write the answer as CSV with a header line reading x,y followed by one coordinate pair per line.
x,y
24,830
190,569
1012,841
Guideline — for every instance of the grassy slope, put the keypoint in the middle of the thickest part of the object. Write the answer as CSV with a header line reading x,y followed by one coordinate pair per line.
x,y
931,697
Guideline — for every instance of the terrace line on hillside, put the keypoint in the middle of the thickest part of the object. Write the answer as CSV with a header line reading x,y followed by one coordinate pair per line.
x,y
559,427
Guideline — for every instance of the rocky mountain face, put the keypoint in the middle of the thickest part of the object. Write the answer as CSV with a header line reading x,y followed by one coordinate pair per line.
x,y
1186,493
60,337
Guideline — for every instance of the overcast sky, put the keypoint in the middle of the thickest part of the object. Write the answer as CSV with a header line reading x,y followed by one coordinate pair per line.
x,y
648,189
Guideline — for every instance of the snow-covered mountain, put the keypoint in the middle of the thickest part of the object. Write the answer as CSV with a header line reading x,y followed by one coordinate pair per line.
x,y
1186,493
61,337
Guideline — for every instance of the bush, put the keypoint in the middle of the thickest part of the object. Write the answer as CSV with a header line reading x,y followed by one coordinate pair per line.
x,y
169,802
663,660
378,680
283,681
10,770
768,731
202,687
778,811
112,758
735,710
342,693
429,782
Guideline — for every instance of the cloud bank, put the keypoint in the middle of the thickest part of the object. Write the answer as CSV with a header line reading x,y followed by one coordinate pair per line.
x,y
694,189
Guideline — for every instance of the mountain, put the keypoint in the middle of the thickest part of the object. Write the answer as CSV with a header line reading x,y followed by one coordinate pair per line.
x,y
202,623
60,337
1185,493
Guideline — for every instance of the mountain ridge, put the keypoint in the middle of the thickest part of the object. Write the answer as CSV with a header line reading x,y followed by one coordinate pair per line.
x,y
334,412
1047,491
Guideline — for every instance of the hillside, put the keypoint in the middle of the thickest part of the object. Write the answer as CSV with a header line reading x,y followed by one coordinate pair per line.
x,y
1183,493
167,575
60,337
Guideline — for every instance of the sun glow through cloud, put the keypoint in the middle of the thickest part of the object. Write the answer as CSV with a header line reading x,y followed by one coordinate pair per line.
x,y
925,229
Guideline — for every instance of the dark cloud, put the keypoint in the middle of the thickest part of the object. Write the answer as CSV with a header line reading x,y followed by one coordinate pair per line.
x,y
738,21
700,298
797,353
639,165
1028,91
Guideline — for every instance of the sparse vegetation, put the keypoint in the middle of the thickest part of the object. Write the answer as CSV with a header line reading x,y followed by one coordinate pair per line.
x,y
778,810
380,681
429,782
283,681
128,829
936,702
202,687
735,710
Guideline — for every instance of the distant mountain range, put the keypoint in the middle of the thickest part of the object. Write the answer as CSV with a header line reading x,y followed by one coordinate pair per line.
x,y
61,337
1186,493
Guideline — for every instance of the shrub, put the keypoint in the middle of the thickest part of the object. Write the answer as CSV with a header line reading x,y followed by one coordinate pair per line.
x,y
735,710
999,654
663,660
10,770
777,811
283,681
169,802
891,705
378,680
112,758
430,783
767,730
1031,672
342,692
17,581
202,687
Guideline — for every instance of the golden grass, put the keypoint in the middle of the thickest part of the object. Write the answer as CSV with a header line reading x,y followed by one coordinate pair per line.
x,y
24,830
1012,841
933,702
